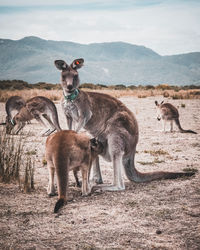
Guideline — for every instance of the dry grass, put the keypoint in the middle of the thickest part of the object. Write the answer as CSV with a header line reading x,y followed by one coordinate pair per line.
x,y
53,95
56,95
156,215
15,165
156,152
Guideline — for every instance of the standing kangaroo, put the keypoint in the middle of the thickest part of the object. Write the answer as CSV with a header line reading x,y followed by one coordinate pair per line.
x,y
36,107
111,122
65,151
167,112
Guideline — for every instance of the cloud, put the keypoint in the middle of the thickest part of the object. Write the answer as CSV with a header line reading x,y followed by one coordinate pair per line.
x,y
160,25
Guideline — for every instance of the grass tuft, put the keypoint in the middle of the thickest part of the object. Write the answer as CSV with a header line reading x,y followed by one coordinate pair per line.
x,y
15,165
156,152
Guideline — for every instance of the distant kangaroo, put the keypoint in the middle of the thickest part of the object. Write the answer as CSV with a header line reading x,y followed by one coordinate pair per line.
x,y
111,122
36,107
168,113
65,151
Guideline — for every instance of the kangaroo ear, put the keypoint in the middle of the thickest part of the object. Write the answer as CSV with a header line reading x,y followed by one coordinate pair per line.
x,y
77,64
60,64
156,103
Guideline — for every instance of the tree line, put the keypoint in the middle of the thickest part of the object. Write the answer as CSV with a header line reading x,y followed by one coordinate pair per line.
x,y
20,85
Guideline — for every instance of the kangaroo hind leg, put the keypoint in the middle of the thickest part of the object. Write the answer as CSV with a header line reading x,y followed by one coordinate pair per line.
x,y
118,182
51,191
96,172
86,188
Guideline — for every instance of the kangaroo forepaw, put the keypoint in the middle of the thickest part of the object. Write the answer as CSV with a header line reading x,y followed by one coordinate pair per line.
x,y
45,133
48,132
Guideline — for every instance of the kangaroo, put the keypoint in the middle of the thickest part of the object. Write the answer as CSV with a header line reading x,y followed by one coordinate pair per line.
x,y
67,150
13,103
111,122
36,107
167,112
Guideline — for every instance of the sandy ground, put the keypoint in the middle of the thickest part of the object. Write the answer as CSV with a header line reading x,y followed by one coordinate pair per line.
x,y
158,215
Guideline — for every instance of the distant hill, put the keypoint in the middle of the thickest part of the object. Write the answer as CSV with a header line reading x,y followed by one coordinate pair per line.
x,y
32,59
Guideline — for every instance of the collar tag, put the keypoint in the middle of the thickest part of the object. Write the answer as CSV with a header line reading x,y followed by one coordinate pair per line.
x,y
72,97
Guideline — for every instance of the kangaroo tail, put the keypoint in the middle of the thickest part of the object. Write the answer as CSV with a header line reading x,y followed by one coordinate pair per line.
x,y
134,175
183,130
59,204
62,182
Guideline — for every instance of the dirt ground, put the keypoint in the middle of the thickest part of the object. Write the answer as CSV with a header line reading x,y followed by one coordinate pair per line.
x,y
162,214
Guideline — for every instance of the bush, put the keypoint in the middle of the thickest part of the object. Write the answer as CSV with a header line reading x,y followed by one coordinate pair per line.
x,y
132,87
88,86
117,87
166,94
101,86
149,87
13,85
163,87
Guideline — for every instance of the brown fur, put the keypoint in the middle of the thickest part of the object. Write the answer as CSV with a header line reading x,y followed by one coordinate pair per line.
x,y
65,151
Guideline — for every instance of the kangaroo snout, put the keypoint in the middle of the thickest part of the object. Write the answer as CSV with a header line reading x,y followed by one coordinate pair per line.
x,y
70,87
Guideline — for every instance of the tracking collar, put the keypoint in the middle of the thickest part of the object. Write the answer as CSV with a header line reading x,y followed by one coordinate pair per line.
x,y
72,96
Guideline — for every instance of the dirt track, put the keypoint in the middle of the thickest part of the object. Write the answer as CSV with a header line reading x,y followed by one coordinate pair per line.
x,y
158,215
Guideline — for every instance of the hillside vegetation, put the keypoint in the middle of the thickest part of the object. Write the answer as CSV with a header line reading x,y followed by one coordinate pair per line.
x,y
54,91
32,59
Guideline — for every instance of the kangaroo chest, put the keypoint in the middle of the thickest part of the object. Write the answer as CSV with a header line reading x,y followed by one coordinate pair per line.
x,y
71,110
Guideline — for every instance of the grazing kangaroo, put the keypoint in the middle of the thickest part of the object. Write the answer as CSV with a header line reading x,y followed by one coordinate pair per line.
x,y
111,122
36,107
167,112
13,103
65,151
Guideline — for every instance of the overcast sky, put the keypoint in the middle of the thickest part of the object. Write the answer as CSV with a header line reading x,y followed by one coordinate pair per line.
x,y
166,26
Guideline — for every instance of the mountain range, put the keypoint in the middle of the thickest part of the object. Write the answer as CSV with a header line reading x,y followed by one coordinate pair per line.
x,y
32,59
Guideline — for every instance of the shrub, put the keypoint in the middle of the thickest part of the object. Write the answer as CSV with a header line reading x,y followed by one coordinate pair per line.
x,y
132,87
149,87
101,86
166,94
163,86
117,87
88,86
14,84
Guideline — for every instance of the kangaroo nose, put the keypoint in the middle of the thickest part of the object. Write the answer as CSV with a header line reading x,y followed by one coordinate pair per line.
x,y
70,87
